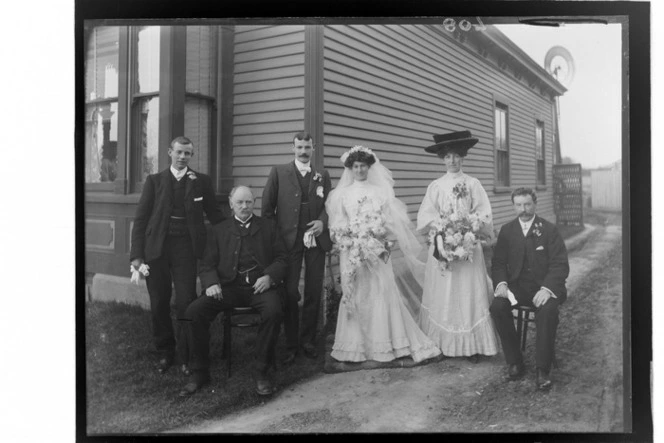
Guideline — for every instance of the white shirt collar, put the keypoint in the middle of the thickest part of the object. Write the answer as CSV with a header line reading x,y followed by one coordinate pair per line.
x,y
245,223
302,166
179,174
525,226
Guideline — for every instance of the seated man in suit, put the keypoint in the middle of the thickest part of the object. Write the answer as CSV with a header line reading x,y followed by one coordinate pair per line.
x,y
243,262
530,260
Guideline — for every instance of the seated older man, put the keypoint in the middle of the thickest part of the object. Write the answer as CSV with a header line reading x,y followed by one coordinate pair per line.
x,y
243,262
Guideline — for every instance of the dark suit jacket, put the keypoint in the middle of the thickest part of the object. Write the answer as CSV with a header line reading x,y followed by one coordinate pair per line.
x,y
549,264
282,197
155,207
222,251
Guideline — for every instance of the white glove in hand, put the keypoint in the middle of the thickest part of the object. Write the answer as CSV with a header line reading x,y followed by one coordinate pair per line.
x,y
309,239
136,273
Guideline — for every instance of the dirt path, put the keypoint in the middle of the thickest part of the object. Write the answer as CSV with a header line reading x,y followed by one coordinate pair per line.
x,y
454,395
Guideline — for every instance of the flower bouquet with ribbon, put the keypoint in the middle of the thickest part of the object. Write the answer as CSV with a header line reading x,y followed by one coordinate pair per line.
x,y
365,240
454,235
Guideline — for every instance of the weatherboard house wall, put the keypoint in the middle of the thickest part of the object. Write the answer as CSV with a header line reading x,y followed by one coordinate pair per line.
x,y
388,87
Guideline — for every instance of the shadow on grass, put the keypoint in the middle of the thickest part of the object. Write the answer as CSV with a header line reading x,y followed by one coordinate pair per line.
x,y
126,395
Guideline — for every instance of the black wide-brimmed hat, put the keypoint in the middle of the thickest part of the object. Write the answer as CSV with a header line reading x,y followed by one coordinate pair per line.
x,y
460,142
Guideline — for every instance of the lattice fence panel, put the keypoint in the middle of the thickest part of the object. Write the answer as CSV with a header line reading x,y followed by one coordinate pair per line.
x,y
568,194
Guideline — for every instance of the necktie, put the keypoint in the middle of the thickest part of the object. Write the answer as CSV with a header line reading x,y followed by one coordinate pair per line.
x,y
304,169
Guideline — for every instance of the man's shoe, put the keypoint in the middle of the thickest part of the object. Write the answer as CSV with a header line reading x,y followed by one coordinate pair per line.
x,y
264,385
290,358
185,369
515,372
163,364
196,381
310,351
543,380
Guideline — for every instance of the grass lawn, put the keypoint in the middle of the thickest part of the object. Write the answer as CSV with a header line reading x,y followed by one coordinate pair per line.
x,y
125,394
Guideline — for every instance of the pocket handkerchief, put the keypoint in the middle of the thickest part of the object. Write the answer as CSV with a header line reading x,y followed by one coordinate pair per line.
x,y
539,248
197,199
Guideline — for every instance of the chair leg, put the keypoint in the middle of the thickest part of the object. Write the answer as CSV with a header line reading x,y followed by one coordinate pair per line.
x,y
226,351
524,336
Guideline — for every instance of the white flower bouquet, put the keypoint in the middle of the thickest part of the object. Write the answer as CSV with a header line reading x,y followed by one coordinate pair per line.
x,y
365,240
454,235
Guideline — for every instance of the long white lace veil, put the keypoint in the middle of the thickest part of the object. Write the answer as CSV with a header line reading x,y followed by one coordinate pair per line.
x,y
408,269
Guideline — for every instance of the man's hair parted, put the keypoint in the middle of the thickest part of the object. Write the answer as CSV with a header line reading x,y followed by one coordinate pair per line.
x,y
303,136
181,140
524,191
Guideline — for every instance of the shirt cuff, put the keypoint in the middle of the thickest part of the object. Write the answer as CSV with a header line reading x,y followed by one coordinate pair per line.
x,y
499,285
549,291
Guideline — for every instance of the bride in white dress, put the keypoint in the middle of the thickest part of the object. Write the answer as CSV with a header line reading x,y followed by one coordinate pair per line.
x,y
365,219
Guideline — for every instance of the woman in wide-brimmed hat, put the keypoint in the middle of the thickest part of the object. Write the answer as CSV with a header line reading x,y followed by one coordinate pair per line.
x,y
457,290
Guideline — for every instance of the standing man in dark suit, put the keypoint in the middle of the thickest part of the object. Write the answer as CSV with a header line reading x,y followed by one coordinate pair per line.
x,y
244,261
169,236
295,195
530,261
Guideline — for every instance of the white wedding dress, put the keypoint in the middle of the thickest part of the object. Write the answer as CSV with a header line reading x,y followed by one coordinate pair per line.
x,y
455,305
375,324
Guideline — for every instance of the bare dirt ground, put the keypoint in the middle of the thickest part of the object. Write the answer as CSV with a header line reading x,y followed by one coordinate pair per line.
x,y
455,395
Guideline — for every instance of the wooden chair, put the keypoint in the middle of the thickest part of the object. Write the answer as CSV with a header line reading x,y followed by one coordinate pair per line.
x,y
229,323
525,315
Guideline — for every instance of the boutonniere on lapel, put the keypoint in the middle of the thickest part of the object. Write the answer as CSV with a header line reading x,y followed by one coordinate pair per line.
x,y
318,178
191,175
536,229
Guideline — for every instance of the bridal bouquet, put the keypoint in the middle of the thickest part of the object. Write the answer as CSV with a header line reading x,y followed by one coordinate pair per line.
x,y
365,239
454,235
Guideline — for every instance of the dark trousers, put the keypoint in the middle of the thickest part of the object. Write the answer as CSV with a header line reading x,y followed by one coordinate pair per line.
x,y
176,267
202,311
546,323
314,263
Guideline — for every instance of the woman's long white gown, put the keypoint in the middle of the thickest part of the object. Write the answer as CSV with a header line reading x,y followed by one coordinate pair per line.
x,y
379,327
455,305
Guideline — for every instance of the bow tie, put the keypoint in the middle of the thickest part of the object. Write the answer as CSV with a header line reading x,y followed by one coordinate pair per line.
x,y
244,224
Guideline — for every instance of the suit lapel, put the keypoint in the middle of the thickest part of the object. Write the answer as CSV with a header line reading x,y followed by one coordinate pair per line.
x,y
312,183
188,187
254,227
291,174
167,187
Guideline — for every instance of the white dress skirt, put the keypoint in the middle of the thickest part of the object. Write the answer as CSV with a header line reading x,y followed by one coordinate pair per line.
x,y
376,325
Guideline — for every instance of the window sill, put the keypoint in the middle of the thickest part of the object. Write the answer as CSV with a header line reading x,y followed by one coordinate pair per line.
x,y
502,189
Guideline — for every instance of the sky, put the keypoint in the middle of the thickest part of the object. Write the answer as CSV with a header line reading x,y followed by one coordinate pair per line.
x,y
590,110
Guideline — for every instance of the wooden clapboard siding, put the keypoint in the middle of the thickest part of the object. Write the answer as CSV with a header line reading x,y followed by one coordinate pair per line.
x,y
391,87
268,101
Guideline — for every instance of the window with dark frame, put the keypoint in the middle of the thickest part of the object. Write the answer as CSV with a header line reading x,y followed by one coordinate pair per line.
x,y
101,105
501,144
540,153
123,71
145,73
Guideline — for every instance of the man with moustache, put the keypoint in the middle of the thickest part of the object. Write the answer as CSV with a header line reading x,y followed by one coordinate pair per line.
x,y
530,261
294,196
243,263
169,236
